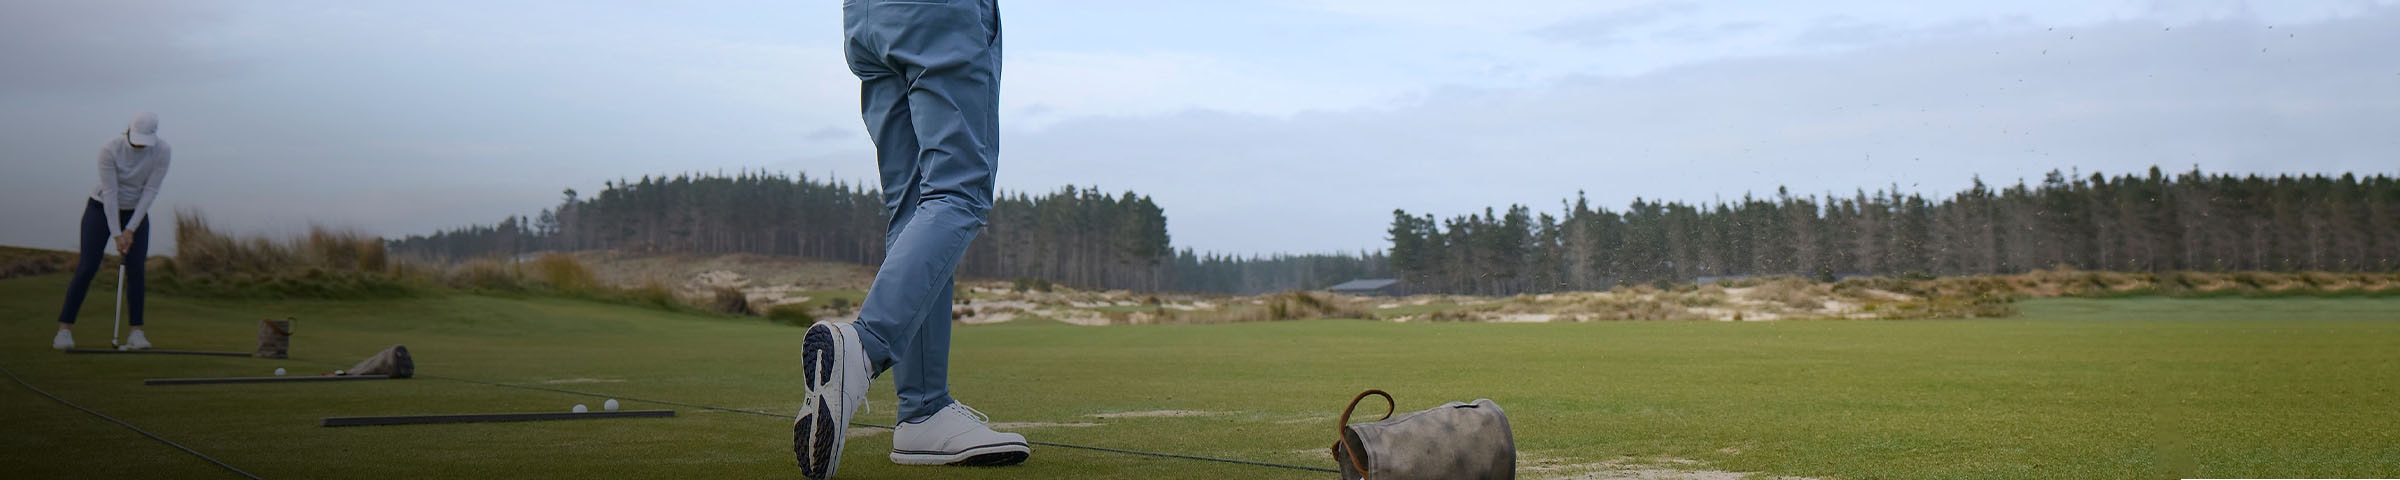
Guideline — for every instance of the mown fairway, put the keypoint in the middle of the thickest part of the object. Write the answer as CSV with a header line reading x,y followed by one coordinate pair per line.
x,y
2071,389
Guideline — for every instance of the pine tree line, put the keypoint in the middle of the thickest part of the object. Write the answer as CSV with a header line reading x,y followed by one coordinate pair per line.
x,y
750,212
1079,237
2189,221
1084,238
1221,273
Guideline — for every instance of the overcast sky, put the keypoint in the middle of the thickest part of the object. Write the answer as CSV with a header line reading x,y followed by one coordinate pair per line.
x,y
1260,125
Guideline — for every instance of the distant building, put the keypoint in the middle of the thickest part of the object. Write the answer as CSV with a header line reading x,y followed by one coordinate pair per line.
x,y
1383,287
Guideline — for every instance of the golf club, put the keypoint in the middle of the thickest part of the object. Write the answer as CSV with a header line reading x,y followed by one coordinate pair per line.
x,y
215,380
148,351
487,417
120,318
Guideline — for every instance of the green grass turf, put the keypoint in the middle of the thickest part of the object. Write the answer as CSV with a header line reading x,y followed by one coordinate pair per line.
x,y
2126,388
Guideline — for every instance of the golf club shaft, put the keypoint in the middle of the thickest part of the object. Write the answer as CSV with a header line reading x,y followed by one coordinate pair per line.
x,y
120,317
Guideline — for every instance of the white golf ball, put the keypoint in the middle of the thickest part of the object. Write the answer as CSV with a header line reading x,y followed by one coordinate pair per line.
x,y
337,373
610,405
279,372
579,408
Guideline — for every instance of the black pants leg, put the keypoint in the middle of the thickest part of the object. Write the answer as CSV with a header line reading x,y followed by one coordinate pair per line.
x,y
137,266
95,239
92,249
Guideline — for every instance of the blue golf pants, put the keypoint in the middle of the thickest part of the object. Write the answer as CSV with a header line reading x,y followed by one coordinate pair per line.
x,y
929,87
94,247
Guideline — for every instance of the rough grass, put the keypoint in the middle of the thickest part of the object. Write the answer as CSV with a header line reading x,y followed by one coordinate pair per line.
x,y
2071,388
729,301
2065,282
324,263
340,264
834,301
1891,298
1292,305
833,291
25,262
564,273
1770,298
625,268
792,315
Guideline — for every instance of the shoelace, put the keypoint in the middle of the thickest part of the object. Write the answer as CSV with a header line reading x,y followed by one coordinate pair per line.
x,y
972,412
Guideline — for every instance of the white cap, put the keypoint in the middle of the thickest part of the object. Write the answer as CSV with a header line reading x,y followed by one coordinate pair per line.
x,y
144,130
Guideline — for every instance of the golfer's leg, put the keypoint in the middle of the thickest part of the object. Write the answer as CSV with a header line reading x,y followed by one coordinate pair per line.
x,y
883,101
136,265
87,261
913,284
923,374
956,107
893,48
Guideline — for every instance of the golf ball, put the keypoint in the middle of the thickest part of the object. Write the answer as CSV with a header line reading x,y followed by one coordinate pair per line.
x,y
579,408
610,405
279,372
337,372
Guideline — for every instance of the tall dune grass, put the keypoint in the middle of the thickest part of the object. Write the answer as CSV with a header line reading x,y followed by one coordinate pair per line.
x,y
1290,305
27,262
336,263
324,263
2066,282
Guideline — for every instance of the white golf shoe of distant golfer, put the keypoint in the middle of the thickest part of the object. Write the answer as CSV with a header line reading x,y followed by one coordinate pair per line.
x,y
63,341
835,369
956,435
137,341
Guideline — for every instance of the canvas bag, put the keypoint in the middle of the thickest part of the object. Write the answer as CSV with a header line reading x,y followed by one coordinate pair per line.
x,y
274,339
392,361
1453,441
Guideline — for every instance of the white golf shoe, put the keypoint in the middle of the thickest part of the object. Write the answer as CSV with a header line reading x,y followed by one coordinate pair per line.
x,y
957,435
835,368
137,341
63,341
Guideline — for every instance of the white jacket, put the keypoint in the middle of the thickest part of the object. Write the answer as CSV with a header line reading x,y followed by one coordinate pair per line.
x,y
130,176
